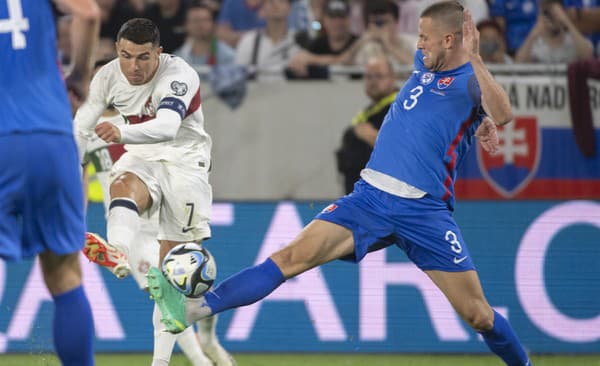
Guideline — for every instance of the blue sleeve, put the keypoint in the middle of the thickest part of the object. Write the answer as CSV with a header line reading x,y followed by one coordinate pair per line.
x,y
474,90
497,8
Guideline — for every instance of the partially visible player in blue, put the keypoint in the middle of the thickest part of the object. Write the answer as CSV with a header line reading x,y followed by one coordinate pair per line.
x,y
406,194
41,201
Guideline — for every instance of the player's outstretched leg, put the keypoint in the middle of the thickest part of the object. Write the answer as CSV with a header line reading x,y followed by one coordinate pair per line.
x,y
503,341
233,292
210,344
463,290
100,252
171,302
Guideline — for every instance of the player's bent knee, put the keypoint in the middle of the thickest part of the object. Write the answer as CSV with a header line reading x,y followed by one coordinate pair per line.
x,y
480,318
292,262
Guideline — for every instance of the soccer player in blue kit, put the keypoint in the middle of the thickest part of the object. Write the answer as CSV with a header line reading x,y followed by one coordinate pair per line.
x,y
405,196
41,200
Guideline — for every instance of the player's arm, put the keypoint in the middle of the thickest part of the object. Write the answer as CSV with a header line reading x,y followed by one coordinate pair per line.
x,y
88,114
176,92
162,128
84,36
493,97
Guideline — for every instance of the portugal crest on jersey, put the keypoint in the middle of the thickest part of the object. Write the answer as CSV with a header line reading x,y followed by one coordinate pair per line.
x,y
516,163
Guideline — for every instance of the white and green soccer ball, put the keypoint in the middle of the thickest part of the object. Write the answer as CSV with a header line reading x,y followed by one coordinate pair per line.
x,y
190,268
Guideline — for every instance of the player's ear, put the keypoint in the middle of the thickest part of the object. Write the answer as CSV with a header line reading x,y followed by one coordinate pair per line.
x,y
159,50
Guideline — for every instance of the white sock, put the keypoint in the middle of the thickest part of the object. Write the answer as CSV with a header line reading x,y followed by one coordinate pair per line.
x,y
207,330
163,340
196,309
191,348
210,343
122,224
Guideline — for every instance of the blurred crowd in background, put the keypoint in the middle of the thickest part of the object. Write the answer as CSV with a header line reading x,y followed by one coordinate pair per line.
x,y
298,39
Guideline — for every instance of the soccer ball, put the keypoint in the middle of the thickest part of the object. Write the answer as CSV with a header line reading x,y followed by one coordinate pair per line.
x,y
190,268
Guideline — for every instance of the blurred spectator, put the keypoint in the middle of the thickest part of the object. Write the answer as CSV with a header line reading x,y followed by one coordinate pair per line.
x,y
380,37
585,14
516,18
298,19
113,14
169,17
237,17
269,48
106,49
359,139
554,38
63,39
202,46
335,39
492,45
356,16
314,19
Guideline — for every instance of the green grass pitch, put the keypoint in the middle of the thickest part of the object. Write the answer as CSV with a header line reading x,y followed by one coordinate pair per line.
x,y
299,359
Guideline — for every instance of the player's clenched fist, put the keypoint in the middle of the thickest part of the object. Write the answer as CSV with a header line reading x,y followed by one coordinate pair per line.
x,y
108,132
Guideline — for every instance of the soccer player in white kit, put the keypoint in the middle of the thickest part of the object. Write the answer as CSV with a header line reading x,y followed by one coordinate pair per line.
x,y
165,168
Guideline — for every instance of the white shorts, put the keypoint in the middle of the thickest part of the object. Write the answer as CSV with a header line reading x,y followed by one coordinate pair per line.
x,y
180,193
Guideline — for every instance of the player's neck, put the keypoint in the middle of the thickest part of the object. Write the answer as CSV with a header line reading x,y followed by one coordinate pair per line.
x,y
455,60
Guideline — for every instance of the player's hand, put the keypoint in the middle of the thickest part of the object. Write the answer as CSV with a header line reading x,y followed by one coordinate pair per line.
x,y
470,36
487,134
108,132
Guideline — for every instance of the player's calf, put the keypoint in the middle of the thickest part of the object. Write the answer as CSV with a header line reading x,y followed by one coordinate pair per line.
x,y
100,252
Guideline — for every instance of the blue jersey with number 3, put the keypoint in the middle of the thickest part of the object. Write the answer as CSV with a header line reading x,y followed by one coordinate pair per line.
x,y
429,128
32,91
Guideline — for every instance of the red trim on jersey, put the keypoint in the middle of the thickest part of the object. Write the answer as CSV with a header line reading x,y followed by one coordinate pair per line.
x,y
134,120
115,151
194,104
452,153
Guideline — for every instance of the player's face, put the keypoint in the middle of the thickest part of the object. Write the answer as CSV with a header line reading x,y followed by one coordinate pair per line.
x,y
431,44
138,62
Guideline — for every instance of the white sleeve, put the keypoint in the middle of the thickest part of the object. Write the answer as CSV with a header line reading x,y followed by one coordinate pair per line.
x,y
88,114
163,127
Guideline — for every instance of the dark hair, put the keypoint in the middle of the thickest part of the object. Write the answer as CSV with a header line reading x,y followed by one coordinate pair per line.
x,y
380,7
450,13
200,4
140,31
490,23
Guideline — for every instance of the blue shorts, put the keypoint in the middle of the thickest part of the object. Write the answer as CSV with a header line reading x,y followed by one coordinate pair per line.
x,y
423,228
41,198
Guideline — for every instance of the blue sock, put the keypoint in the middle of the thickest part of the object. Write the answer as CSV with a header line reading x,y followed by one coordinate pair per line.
x,y
73,328
503,341
245,287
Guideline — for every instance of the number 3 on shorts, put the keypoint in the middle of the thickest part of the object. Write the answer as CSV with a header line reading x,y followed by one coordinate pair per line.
x,y
453,240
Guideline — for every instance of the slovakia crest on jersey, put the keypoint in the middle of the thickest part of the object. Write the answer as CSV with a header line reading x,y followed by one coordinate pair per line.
x,y
443,83
515,164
